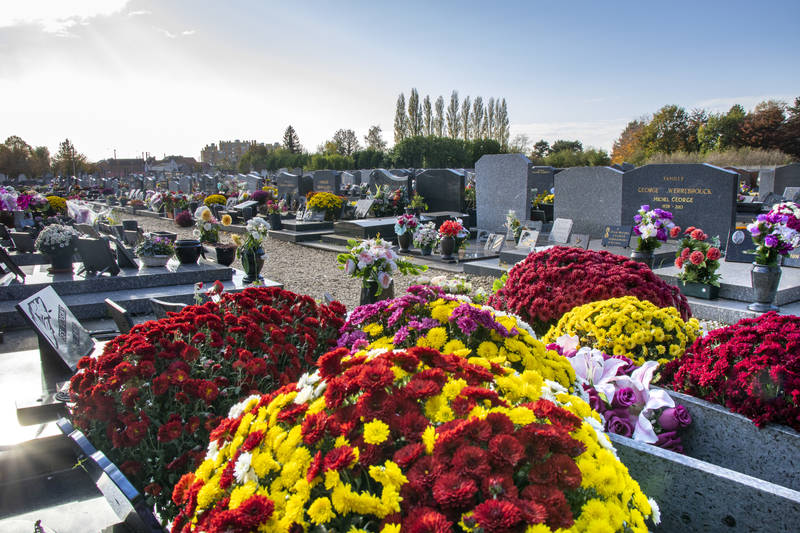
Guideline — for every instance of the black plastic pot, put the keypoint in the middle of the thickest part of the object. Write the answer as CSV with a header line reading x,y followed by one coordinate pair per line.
x,y
188,251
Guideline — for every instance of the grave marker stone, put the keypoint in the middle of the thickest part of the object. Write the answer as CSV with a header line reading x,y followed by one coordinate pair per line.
x,y
23,242
494,243
96,256
698,195
125,259
541,179
562,227
327,181
738,246
617,236
501,184
363,207
791,194
442,189
11,265
579,240
528,239
777,180
185,184
591,197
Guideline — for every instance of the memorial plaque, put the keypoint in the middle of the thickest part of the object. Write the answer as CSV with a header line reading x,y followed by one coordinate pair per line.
x,y
56,324
579,240
23,242
561,230
792,194
748,199
617,236
246,204
327,181
96,256
739,245
792,260
10,264
528,239
494,243
317,216
363,207
125,258
483,235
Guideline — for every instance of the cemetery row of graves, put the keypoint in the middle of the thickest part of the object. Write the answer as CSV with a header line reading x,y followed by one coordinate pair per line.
x,y
635,366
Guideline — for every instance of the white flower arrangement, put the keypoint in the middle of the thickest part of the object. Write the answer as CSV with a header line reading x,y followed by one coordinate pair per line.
x,y
373,260
426,235
258,228
56,237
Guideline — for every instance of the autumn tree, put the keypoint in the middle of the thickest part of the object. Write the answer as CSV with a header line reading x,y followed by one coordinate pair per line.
x,y
374,139
291,141
520,144
628,146
761,127
15,157
400,119
491,125
790,132
502,128
667,132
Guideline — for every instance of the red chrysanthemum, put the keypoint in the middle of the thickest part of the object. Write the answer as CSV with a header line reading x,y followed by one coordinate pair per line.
x,y
497,516
506,450
170,431
427,522
338,458
471,461
697,257
313,427
453,491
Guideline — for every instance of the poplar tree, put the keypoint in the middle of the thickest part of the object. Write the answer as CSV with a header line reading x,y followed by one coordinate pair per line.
x,y
503,131
438,118
400,120
427,116
490,123
477,118
466,118
414,114
453,117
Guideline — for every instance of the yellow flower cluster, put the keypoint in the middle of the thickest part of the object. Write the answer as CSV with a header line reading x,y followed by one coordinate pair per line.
x,y
57,204
325,201
214,199
270,189
630,327
519,352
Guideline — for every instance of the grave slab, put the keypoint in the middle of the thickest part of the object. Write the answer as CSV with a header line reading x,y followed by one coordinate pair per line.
x,y
367,228
299,236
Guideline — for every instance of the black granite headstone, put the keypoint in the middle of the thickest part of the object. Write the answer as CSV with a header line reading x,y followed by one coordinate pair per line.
x,y
96,256
541,179
739,244
777,180
697,195
442,189
327,181
792,260
23,242
617,236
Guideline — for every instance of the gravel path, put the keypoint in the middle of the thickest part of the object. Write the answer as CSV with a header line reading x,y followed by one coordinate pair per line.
x,y
306,270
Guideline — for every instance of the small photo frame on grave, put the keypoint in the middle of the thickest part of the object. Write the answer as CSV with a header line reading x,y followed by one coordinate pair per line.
x,y
528,239
579,240
494,243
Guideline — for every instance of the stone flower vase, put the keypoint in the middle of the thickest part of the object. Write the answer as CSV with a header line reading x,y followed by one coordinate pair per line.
x,y
252,263
61,261
368,290
275,221
426,250
765,279
404,241
643,257
447,246
154,261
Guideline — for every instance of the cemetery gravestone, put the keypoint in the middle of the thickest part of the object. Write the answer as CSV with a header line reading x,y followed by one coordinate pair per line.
x,y
125,258
541,179
185,184
442,189
777,180
561,230
591,197
327,181
381,177
23,242
617,236
96,256
363,207
501,184
699,195
792,194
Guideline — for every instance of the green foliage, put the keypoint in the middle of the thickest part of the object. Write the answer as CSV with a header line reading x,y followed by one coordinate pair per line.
x,y
371,158
291,141
330,162
441,152
567,157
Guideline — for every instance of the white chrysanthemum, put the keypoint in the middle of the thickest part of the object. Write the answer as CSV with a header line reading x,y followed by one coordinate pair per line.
x,y
237,409
242,470
213,450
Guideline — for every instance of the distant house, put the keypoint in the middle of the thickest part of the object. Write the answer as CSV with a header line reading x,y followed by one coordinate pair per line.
x,y
118,168
177,163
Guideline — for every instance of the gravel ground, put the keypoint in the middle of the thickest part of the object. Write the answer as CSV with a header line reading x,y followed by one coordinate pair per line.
x,y
306,270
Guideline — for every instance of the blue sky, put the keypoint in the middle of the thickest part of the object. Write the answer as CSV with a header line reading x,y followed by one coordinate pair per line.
x,y
170,77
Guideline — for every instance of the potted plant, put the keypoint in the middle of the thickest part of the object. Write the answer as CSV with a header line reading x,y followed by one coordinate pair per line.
x,y
698,260
374,261
327,202
225,252
154,250
417,204
249,248
513,225
207,225
448,232
775,233
403,229
652,226
58,242
470,202
275,210
425,237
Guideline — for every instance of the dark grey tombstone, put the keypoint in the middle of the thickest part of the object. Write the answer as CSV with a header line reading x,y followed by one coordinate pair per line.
x,y
562,227
541,179
501,184
791,194
348,178
96,256
591,197
382,177
698,195
185,184
442,189
327,181
363,207
125,258
120,315
23,242
579,240
778,179
87,230
617,236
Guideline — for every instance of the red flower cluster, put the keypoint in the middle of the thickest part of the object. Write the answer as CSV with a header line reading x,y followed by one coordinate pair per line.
x,y
752,368
547,284
450,228
151,398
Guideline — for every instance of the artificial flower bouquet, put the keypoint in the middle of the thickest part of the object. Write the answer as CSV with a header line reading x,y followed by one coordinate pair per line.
x,y
405,223
418,202
150,400
451,228
411,440
698,257
620,392
653,227
208,225
469,194
56,238
513,225
257,233
8,199
776,233
152,245
374,261
426,235
277,208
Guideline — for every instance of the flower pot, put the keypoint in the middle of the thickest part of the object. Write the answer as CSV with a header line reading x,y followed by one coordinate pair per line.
x,y
275,221
643,257
154,261
188,251
225,254
61,261
404,241
368,290
699,290
765,279
252,263
447,246
426,250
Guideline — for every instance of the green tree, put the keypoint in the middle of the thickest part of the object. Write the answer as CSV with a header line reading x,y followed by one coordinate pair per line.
x,y
68,161
427,116
790,131
15,157
571,146
371,158
453,117
478,124
40,161
541,148
520,144
400,119
466,118
438,118
502,129
414,114
668,131
346,142
291,141
374,139
491,119
721,130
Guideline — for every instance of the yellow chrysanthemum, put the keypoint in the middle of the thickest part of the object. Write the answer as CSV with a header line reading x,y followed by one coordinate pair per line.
x,y
436,338
376,432
321,511
226,220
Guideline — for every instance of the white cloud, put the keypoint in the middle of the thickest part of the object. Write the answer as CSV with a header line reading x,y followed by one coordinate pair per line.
x,y
57,16
139,13
165,33
596,133
188,32
748,102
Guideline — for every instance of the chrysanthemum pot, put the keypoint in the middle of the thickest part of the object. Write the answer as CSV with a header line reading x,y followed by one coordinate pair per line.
x,y
765,280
